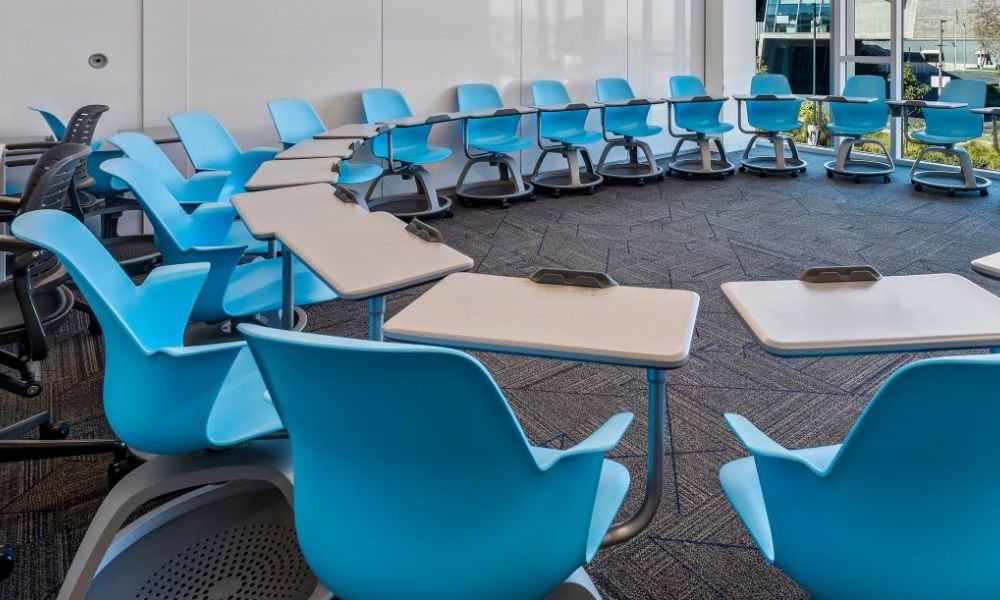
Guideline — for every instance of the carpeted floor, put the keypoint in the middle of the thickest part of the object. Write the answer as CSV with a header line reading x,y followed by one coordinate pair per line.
x,y
685,235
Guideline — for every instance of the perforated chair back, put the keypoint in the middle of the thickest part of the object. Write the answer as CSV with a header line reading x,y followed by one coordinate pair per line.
x,y
557,123
625,117
958,123
208,144
384,104
906,508
295,120
426,482
697,114
48,183
158,395
482,96
141,148
868,117
772,115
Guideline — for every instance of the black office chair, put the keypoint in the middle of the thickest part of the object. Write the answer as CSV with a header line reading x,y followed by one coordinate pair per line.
x,y
33,302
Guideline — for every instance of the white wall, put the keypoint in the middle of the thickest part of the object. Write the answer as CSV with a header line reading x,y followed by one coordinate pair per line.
x,y
231,56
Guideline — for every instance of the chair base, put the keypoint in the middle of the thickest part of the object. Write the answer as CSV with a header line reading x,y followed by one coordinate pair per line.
x,y
572,179
633,170
963,180
778,163
200,334
706,165
859,168
510,186
423,203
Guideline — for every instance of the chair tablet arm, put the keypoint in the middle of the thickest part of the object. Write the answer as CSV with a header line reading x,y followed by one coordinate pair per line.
x,y
926,104
503,111
600,442
568,107
766,97
841,99
991,112
758,444
360,131
421,120
693,99
633,102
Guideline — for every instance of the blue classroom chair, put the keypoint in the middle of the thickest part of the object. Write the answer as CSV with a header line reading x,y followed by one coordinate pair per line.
x,y
904,508
211,234
495,138
201,188
692,110
853,122
408,147
629,123
447,500
160,397
946,128
296,120
210,147
772,119
568,128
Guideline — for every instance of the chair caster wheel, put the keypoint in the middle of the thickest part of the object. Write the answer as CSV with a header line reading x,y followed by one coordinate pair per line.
x,y
918,187
803,170
886,179
7,558
688,176
58,430
857,179
121,467
591,190
661,177
504,204
532,198
94,328
795,175
829,174
641,183
448,214
951,193
556,193
984,193
467,203
762,174
743,169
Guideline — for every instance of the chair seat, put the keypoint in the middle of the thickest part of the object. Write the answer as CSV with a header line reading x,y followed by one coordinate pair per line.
x,y
742,486
417,155
576,137
929,138
256,288
610,494
776,125
852,129
637,130
358,172
500,143
243,410
708,127
53,305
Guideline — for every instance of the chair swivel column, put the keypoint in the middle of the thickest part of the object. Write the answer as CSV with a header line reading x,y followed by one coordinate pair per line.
x,y
626,116
772,112
564,122
693,110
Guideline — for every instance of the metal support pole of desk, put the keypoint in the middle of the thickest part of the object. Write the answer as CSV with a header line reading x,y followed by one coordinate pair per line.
x,y
376,318
628,529
287,289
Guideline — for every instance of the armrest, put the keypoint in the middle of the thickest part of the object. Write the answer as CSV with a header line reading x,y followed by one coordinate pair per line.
x,y
693,99
354,131
504,111
841,99
759,444
600,442
8,203
34,146
212,221
568,107
633,102
766,97
9,243
167,297
203,187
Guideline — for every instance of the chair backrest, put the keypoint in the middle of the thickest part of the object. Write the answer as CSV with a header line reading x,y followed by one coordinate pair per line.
x,y
872,116
384,104
554,92
959,123
48,183
56,126
295,119
909,504
208,144
157,395
696,113
141,148
482,96
615,88
427,477
766,114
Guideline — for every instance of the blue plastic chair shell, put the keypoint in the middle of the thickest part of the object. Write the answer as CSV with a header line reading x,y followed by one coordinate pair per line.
x,y
567,127
296,120
698,117
426,483
860,119
904,508
954,126
58,127
773,115
159,396
210,147
409,144
497,134
629,121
